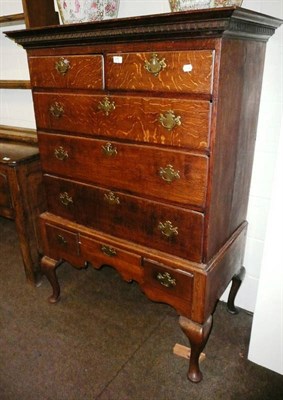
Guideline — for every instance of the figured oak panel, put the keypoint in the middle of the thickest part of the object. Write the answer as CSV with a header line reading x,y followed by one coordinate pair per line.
x,y
176,176
122,215
84,72
182,71
126,117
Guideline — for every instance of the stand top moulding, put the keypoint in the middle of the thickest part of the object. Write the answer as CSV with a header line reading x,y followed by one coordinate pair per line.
x,y
219,22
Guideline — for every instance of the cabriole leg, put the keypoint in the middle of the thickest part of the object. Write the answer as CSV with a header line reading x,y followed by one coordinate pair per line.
x,y
198,335
48,267
236,284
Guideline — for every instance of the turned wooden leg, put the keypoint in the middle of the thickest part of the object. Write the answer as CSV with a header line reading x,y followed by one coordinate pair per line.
x,y
48,267
198,335
236,283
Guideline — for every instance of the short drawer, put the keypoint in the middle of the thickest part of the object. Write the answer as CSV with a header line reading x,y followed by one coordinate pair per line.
x,y
83,72
171,122
179,177
61,243
172,281
182,71
169,285
170,229
103,253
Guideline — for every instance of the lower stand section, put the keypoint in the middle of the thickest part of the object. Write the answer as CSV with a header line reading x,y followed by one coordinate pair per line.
x,y
48,267
198,335
236,284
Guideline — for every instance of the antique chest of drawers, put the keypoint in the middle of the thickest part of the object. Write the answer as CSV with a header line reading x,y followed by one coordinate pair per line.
x,y
146,130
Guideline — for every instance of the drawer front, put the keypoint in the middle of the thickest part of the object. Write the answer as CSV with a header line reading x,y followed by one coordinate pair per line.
x,y
172,281
83,72
173,122
98,253
176,176
61,243
5,197
169,285
182,71
170,229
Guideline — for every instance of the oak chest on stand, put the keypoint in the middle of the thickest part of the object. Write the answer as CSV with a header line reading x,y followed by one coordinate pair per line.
x,y
146,130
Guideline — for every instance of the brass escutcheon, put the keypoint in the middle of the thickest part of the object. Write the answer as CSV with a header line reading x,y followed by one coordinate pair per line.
x,y
108,251
109,150
60,153
169,120
154,65
168,174
65,199
166,279
167,229
106,106
61,240
111,198
62,66
56,110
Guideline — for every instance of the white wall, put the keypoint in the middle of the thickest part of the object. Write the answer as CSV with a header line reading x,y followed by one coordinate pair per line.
x,y
16,109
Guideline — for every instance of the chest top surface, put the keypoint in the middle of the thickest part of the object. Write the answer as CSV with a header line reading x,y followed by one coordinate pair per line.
x,y
217,22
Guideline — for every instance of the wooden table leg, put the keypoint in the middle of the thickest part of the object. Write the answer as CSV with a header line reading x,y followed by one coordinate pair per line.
x,y
198,335
48,267
236,284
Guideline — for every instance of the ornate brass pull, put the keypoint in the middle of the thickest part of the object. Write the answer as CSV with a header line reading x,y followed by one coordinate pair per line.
x,y
62,66
109,150
60,153
168,174
167,229
65,199
61,240
169,120
154,65
111,198
166,279
108,251
106,106
56,110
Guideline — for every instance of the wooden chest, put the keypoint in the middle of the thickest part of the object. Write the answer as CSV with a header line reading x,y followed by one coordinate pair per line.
x,y
146,130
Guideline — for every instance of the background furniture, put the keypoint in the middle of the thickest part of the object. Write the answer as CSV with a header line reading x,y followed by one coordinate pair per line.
x,y
22,199
189,84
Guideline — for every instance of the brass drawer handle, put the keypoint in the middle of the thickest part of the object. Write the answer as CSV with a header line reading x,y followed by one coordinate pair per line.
x,y
61,240
108,251
106,106
62,66
65,199
56,110
168,174
155,65
111,198
167,229
165,279
109,150
60,153
169,120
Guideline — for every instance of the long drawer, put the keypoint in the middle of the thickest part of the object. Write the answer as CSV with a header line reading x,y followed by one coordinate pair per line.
x,y
182,71
77,72
176,176
173,122
170,229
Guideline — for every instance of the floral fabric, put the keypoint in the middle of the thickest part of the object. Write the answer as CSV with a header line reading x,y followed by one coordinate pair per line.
x,y
73,11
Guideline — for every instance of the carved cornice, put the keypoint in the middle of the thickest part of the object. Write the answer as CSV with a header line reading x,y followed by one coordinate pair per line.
x,y
232,21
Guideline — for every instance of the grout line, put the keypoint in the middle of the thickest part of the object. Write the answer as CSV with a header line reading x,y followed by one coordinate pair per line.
x,y
131,357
